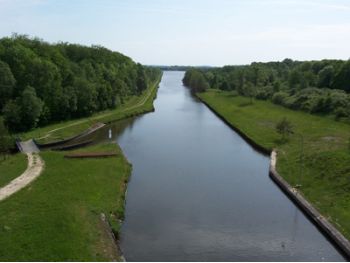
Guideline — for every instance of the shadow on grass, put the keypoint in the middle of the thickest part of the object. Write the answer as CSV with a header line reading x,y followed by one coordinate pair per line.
x,y
281,141
245,104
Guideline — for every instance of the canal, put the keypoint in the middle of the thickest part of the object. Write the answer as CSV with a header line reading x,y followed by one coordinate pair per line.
x,y
199,192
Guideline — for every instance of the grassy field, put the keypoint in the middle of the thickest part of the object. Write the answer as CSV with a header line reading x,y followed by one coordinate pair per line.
x,y
11,167
324,169
57,218
134,106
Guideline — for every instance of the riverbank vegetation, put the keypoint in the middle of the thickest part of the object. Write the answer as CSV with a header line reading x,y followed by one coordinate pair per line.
x,y
58,217
317,87
315,157
42,83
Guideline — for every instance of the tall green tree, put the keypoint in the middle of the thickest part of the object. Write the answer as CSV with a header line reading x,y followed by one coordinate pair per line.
x,y
12,115
285,128
141,81
342,78
6,140
325,77
7,83
31,108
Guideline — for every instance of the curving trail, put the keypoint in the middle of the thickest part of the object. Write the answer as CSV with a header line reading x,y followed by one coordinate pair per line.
x,y
33,171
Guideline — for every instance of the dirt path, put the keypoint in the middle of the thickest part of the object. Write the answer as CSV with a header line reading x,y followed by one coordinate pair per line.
x,y
34,169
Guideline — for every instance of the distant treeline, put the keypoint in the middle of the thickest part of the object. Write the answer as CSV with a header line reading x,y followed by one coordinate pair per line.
x,y
42,83
314,86
180,68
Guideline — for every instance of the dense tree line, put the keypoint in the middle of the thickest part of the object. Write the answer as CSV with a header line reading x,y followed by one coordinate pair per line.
x,y
42,83
195,80
314,86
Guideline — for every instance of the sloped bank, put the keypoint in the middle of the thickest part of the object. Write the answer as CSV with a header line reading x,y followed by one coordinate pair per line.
x,y
321,222
88,131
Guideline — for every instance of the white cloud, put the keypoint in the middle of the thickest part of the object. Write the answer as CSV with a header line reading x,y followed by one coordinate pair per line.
x,y
307,3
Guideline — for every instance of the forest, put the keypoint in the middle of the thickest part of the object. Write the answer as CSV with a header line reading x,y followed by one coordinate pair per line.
x,y
41,83
318,87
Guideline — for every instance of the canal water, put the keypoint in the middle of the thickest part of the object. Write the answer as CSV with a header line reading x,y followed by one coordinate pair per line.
x,y
199,192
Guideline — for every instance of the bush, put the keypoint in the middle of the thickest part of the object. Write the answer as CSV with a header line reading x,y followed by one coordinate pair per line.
x,y
285,128
341,112
264,93
280,98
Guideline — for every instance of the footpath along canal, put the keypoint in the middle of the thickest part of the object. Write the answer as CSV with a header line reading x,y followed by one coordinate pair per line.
x,y
199,192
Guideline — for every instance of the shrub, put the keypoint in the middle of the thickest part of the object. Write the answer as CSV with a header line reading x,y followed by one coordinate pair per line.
x,y
285,128
280,97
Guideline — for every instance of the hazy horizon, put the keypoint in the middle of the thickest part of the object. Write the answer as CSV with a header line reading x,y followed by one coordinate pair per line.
x,y
190,33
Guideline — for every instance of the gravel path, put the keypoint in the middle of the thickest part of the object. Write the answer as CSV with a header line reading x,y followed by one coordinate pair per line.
x,y
34,169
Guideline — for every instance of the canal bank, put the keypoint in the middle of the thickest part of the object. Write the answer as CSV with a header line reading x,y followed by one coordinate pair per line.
x,y
293,193
296,196
69,200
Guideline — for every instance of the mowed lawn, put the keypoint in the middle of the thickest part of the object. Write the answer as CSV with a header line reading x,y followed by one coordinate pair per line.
x,y
323,171
57,217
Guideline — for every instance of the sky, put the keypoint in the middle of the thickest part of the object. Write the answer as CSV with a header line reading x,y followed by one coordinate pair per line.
x,y
189,32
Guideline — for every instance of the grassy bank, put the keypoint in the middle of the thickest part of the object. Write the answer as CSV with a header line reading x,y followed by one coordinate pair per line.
x,y
11,167
323,173
57,218
134,106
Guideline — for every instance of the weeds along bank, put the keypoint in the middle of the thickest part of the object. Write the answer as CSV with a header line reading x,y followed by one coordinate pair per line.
x,y
316,156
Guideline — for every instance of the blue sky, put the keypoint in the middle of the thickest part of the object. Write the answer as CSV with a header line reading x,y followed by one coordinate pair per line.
x,y
189,32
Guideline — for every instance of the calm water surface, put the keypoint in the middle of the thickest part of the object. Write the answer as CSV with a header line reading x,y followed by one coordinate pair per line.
x,y
199,192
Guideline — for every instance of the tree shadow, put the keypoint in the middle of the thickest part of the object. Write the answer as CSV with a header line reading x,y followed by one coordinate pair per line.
x,y
281,141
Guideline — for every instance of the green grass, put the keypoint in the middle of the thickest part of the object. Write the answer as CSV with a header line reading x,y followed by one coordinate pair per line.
x,y
57,218
325,176
134,106
12,167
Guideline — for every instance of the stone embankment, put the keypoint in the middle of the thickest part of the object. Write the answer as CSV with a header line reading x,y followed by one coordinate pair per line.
x,y
298,198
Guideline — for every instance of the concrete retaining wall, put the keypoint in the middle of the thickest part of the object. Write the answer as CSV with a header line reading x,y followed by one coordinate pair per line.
x,y
316,217
83,134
